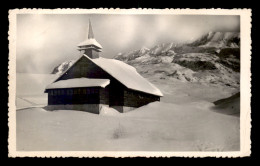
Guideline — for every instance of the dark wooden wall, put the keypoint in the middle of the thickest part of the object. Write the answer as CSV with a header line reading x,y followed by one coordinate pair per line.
x,y
74,96
137,99
116,93
104,95
92,53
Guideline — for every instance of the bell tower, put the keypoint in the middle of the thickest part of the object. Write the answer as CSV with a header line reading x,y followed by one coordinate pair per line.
x,y
90,46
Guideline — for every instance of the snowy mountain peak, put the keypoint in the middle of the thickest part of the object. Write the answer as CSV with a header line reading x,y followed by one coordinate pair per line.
x,y
218,40
144,50
62,67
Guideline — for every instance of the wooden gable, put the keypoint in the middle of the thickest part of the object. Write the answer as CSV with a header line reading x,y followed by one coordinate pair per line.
x,y
84,68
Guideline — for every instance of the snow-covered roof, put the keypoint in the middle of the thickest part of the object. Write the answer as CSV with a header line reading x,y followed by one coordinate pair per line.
x,y
126,74
79,82
91,41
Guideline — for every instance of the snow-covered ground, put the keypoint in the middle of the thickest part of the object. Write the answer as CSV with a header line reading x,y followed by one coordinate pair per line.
x,y
184,120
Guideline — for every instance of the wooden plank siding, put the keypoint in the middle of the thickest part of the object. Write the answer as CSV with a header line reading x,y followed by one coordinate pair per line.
x,y
74,96
137,99
104,95
85,68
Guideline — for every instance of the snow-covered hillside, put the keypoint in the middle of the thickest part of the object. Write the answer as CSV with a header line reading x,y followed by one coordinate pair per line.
x,y
32,84
30,89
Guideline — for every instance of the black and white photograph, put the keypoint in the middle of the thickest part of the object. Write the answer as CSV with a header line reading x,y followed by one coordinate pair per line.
x,y
129,82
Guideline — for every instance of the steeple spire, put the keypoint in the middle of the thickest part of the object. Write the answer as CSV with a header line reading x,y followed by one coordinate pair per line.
x,y
90,46
90,31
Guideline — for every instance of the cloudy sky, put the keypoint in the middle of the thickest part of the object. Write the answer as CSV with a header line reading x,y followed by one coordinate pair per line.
x,y
46,40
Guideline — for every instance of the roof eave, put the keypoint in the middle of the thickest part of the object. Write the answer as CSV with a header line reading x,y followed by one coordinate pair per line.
x,y
82,45
159,95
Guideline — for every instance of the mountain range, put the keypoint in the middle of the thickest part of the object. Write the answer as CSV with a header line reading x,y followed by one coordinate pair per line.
x,y
213,59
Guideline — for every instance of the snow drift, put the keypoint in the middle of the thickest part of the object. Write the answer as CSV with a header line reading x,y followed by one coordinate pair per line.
x,y
184,120
155,127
